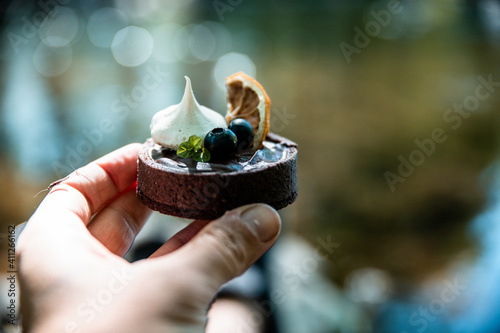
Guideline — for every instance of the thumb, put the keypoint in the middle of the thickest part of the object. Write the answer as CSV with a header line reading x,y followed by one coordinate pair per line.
x,y
228,246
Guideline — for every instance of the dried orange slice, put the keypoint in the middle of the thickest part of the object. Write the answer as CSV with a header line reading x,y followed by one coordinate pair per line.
x,y
248,100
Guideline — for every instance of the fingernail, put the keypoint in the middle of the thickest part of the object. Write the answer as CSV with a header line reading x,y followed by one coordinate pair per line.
x,y
263,221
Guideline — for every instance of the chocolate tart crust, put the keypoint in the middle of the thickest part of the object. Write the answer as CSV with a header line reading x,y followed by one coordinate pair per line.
x,y
208,195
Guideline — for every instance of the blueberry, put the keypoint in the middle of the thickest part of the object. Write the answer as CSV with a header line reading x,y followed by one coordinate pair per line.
x,y
221,143
244,132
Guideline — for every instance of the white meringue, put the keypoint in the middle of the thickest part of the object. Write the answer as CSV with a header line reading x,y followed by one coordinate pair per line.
x,y
174,125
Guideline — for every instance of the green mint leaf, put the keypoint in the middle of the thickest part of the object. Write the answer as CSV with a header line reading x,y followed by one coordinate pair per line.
x,y
195,141
185,150
202,155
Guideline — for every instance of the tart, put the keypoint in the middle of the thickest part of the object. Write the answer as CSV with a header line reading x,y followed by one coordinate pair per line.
x,y
181,185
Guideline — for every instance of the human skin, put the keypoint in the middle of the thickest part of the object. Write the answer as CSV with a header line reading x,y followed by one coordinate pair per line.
x,y
73,277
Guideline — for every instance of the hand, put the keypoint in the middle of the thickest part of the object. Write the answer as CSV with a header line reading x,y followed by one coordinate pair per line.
x,y
72,274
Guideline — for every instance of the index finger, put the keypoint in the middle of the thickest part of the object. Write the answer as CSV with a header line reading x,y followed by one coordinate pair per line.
x,y
89,188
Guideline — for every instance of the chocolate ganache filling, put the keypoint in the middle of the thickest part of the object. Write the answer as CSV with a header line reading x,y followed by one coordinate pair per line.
x,y
247,160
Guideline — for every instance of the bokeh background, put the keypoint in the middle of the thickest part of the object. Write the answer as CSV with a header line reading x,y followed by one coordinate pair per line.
x,y
394,105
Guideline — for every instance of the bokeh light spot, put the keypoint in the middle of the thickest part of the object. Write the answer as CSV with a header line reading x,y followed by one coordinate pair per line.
x,y
59,27
231,63
52,61
132,46
369,285
202,42
196,43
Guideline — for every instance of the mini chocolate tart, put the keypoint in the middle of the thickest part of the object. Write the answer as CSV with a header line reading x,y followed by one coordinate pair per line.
x,y
195,190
